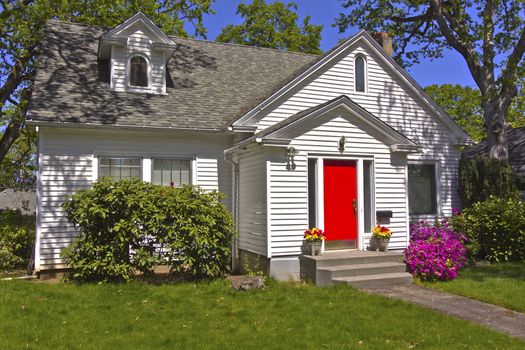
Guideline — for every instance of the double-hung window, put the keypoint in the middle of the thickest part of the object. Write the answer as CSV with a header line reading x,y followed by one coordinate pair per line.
x,y
120,168
422,189
171,172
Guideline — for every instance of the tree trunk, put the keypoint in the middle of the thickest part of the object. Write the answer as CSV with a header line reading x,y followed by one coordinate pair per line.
x,y
11,134
496,126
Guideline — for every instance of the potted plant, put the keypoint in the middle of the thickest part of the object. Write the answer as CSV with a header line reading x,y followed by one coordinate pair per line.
x,y
314,239
380,238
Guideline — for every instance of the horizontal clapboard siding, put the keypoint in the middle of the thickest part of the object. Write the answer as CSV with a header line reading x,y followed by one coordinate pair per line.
x,y
391,101
252,203
289,188
138,43
66,165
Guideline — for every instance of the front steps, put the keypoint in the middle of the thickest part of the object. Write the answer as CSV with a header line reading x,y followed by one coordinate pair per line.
x,y
360,269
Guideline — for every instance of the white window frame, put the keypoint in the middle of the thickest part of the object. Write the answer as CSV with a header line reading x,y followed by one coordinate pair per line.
x,y
437,176
190,159
128,71
365,73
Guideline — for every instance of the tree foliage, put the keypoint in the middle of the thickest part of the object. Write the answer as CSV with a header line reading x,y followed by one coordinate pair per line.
x,y
480,178
463,104
274,25
488,34
21,29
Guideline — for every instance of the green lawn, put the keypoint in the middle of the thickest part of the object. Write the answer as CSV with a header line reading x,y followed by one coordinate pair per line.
x,y
500,284
212,316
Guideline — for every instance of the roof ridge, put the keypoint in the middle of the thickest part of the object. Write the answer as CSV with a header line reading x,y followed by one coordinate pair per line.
x,y
193,39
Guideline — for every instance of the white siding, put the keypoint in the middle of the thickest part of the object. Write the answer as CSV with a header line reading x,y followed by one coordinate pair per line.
x,y
391,101
289,188
66,164
138,43
252,203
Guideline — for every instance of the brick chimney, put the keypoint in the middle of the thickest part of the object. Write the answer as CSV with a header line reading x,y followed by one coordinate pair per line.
x,y
385,41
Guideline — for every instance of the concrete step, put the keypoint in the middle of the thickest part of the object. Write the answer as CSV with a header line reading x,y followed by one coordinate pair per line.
x,y
326,274
373,281
335,259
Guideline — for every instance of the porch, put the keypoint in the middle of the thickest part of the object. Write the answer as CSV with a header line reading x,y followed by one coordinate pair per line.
x,y
360,269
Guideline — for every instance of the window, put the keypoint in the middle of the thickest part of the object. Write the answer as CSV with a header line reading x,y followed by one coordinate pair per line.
x,y
138,71
171,172
359,74
120,168
312,200
422,194
368,194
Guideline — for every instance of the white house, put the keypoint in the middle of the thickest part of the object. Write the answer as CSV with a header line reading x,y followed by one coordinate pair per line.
x,y
339,141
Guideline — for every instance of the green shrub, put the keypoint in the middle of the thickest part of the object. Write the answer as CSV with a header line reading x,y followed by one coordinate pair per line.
x,y
481,177
17,234
130,226
495,228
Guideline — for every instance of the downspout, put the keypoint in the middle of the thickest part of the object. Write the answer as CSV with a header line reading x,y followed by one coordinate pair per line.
x,y
230,158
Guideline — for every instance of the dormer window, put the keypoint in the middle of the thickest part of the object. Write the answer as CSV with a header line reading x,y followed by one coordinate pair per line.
x,y
360,74
138,71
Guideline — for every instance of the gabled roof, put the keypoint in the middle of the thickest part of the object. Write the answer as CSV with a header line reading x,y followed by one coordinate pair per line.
x,y
516,146
117,37
208,84
322,61
282,132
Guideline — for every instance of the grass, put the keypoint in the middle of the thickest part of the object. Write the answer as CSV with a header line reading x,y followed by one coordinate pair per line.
x,y
213,316
500,284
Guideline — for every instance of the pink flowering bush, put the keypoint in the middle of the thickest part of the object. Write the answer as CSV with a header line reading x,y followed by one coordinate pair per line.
x,y
435,252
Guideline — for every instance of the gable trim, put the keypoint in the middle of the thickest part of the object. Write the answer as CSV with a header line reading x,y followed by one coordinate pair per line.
x,y
276,135
386,59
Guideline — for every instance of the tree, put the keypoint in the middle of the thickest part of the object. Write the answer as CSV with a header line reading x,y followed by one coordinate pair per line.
x,y
488,34
21,29
463,104
273,25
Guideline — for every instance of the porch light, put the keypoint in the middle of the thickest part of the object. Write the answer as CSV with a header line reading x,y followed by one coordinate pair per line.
x,y
341,144
291,152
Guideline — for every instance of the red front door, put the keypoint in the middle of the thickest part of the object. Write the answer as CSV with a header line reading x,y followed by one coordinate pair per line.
x,y
340,203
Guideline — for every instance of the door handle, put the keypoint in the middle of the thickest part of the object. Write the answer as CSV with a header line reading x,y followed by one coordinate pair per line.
x,y
355,206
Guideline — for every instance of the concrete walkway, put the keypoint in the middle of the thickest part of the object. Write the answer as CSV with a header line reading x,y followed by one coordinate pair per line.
x,y
491,316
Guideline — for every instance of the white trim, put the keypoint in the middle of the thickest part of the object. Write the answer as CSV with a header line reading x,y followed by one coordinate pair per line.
x,y
147,169
365,74
94,167
38,226
194,173
320,192
268,209
360,204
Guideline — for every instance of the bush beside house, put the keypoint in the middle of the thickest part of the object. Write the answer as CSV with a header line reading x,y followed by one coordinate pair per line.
x,y
131,226
17,233
495,229
435,252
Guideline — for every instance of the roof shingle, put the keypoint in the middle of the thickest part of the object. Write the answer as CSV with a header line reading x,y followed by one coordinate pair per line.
x,y
209,84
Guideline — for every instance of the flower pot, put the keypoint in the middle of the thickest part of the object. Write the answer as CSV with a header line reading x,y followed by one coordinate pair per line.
x,y
382,244
373,244
314,247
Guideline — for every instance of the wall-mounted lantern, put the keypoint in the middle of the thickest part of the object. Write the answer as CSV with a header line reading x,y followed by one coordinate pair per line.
x,y
341,144
291,152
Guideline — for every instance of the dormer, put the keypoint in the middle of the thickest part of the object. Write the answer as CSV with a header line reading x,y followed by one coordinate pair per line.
x,y
138,53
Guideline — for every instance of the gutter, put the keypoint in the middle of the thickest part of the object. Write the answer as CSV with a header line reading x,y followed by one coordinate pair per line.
x,y
230,158
123,127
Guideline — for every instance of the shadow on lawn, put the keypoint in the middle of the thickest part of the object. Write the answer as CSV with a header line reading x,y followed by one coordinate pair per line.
x,y
498,270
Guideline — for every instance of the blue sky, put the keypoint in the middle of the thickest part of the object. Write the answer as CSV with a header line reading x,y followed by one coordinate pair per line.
x,y
449,69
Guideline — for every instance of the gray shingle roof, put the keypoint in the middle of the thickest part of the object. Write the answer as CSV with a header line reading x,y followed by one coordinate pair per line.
x,y
209,84
516,144
23,201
